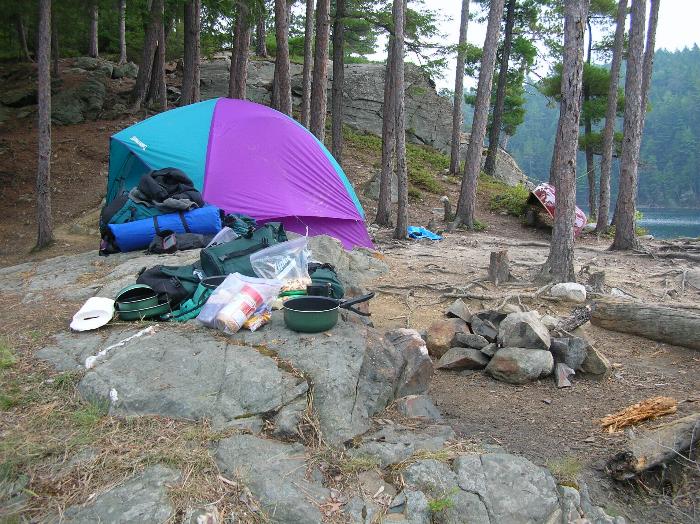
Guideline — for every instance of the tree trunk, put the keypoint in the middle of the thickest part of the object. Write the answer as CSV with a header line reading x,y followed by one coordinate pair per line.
x,y
495,131
260,36
238,75
157,90
458,100
43,173
93,50
338,81
675,326
472,164
649,448
610,119
317,124
560,264
308,64
499,267
625,237
150,44
122,31
22,35
55,54
388,140
587,132
282,81
649,56
190,60
399,13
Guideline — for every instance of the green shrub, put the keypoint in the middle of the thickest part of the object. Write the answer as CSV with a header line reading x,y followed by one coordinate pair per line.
x,y
414,194
512,200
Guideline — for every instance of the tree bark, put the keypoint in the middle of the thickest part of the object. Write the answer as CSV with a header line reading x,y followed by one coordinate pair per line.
x,y
649,448
587,132
157,90
122,32
338,81
238,75
458,99
649,56
472,165
282,81
399,13
499,267
317,124
308,64
93,50
43,174
496,121
55,54
560,263
388,140
22,35
675,326
625,237
260,37
190,60
610,120
150,44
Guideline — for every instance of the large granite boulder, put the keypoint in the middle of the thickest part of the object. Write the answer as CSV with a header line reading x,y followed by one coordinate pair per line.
x,y
80,103
520,365
523,330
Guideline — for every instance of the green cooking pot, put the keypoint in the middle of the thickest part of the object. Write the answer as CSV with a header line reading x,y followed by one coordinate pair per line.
x,y
136,297
159,310
315,314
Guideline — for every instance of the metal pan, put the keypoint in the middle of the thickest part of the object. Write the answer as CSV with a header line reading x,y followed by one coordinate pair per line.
x,y
316,314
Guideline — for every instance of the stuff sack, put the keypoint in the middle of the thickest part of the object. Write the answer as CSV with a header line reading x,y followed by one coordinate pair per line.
x,y
138,235
122,210
324,274
169,242
191,307
179,283
234,256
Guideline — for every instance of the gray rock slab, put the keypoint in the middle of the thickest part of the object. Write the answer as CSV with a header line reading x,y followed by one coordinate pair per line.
x,y
442,333
470,340
485,328
523,330
143,498
410,507
354,371
275,473
458,309
595,362
192,374
462,358
287,419
394,443
418,369
490,350
418,406
571,351
520,365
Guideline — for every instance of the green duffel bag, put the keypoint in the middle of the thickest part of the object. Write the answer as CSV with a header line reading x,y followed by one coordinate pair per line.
x,y
324,274
234,256
190,308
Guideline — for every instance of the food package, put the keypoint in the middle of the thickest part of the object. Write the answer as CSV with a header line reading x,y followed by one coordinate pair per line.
x,y
286,261
261,317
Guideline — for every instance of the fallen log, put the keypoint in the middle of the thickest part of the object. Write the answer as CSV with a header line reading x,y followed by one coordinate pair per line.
x,y
665,324
650,448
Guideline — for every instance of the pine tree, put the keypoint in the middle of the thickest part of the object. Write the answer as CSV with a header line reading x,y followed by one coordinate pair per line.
x,y
282,82
122,31
388,139
93,50
399,13
43,175
190,60
459,90
150,45
317,124
308,64
238,74
338,81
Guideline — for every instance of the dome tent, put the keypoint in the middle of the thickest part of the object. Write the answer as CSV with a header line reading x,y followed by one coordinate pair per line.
x,y
245,158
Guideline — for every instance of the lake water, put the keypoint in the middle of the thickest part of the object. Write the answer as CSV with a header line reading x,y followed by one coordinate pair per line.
x,y
670,223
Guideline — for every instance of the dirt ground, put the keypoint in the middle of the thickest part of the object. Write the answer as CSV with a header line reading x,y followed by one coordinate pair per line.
x,y
538,420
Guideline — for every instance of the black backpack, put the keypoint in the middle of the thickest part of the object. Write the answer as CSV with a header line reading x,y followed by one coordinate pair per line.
x,y
177,282
234,256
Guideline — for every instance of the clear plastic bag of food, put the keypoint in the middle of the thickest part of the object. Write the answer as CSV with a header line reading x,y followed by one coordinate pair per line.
x,y
286,261
236,299
261,317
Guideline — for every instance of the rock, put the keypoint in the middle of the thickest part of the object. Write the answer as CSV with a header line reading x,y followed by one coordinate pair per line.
x,y
570,291
410,507
87,62
190,374
492,315
571,351
549,322
288,418
513,488
570,501
371,188
418,406
19,97
693,278
205,515
372,481
276,474
441,335
490,350
458,309
520,365
360,510
462,358
125,70
394,443
618,293
485,328
562,372
142,498
523,330
595,362
76,104
470,340
418,369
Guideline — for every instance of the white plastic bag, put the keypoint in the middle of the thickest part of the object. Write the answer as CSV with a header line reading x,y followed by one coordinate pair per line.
x,y
286,261
225,235
236,299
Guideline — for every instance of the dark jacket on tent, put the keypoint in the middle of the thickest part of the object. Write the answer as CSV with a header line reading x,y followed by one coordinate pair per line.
x,y
170,188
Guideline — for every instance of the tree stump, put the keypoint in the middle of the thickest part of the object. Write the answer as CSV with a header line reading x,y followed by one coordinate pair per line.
x,y
499,267
597,281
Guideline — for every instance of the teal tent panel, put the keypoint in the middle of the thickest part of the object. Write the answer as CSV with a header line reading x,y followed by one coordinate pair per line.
x,y
176,138
125,169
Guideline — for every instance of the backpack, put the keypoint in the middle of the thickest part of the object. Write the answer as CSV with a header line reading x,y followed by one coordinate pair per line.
x,y
177,282
122,210
191,307
325,274
234,256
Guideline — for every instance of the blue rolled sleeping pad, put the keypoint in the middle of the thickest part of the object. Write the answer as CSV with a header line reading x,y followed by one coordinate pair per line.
x,y
138,234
